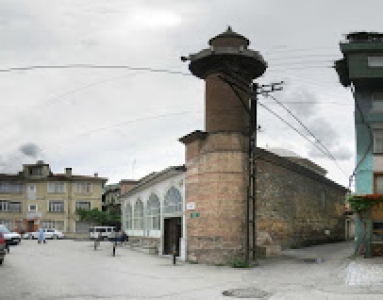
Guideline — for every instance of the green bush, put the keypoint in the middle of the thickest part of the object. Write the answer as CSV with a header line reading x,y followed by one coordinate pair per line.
x,y
239,263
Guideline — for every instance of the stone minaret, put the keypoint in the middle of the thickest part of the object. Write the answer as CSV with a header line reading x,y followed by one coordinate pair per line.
x,y
216,160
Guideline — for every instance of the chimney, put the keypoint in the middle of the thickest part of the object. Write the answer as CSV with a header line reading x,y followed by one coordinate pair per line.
x,y
68,172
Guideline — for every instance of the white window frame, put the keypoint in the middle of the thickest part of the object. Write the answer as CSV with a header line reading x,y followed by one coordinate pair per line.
x,y
80,204
153,212
11,187
56,187
138,217
55,205
4,206
128,216
173,201
15,207
35,210
84,187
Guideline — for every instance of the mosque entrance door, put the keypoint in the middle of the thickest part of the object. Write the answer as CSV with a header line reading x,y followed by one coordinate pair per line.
x,y
172,235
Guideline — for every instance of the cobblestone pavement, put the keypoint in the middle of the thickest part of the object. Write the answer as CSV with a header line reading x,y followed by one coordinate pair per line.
x,y
365,272
73,270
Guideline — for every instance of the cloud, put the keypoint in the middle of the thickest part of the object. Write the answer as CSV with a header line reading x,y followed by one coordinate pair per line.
x,y
30,149
330,138
304,103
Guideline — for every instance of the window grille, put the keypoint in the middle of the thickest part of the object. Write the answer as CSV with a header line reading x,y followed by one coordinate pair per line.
x,y
139,215
173,201
128,216
153,213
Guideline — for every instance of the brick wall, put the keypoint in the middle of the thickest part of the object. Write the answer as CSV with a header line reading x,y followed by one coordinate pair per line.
x,y
215,182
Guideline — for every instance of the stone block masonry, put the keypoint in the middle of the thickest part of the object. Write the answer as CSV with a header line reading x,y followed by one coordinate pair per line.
x,y
296,206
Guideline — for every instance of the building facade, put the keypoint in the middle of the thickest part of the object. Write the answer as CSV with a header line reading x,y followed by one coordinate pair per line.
x,y
36,197
362,69
296,206
110,198
153,213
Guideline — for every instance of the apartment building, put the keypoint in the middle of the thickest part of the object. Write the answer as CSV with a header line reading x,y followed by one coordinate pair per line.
x,y
36,197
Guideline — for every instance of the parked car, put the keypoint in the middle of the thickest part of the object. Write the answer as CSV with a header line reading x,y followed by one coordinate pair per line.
x,y
103,232
3,246
11,238
49,234
27,235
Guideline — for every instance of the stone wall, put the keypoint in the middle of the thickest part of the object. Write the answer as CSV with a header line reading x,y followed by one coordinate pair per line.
x,y
296,206
144,244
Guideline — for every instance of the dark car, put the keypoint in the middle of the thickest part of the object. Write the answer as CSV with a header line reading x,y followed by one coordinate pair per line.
x,y
3,247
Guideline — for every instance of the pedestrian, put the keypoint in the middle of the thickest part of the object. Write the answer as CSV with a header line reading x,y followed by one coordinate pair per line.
x,y
41,236
123,237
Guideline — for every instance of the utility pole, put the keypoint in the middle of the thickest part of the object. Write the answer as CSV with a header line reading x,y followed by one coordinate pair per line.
x,y
252,169
237,84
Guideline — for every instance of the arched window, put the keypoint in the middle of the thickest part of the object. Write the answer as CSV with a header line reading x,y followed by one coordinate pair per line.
x,y
139,215
173,201
128,216
153,213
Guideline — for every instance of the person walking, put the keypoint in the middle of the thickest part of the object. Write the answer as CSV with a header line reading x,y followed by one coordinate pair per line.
x,y
41,236
123,237
97,241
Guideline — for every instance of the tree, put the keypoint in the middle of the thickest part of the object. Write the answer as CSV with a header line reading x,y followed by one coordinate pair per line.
x,y
362,205
97,217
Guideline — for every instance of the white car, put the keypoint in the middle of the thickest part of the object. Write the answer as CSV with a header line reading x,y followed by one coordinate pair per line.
x,y
48,234
11,238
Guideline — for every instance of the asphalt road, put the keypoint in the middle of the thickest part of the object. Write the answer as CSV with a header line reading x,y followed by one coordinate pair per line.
x,y
66,269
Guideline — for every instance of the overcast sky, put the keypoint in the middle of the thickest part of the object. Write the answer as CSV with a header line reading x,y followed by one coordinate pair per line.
x,y
125,124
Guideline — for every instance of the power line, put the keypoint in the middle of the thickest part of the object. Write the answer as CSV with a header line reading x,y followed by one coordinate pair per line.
x,y
304,56
309,131
57,98
277,68
292,127
302,62
313,102
91,66
326,153
104,128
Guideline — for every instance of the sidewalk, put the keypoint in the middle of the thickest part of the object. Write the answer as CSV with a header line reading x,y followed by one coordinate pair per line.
x,y
319,272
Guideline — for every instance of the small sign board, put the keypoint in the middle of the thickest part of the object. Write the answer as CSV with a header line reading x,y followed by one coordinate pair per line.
x,y
190,206
194,215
